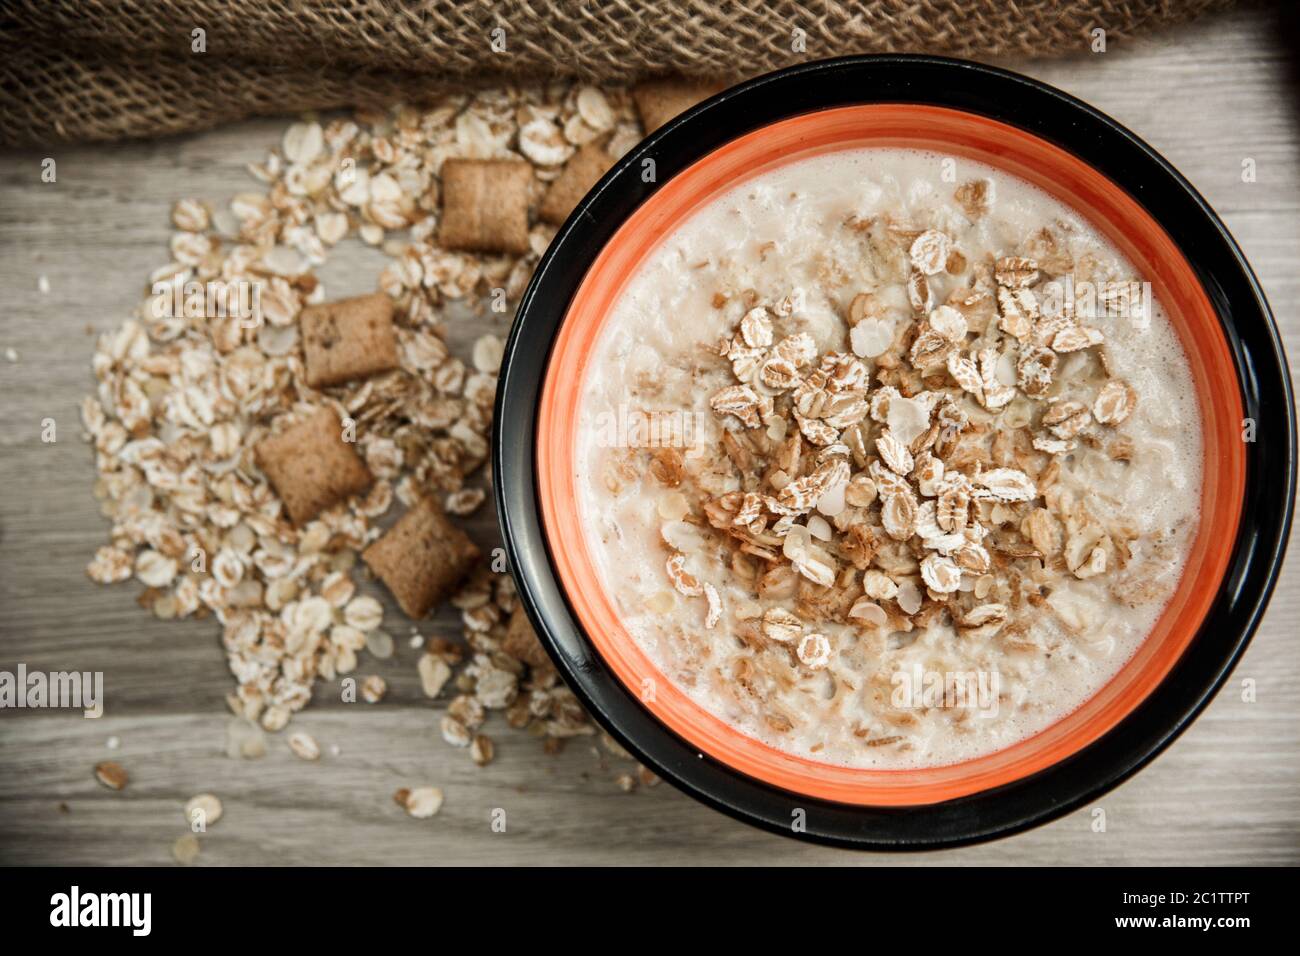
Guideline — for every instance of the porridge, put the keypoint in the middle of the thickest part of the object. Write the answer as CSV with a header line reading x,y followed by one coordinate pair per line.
x,y
887,470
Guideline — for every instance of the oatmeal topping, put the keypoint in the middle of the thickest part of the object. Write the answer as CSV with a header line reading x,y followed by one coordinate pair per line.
x,y
940,495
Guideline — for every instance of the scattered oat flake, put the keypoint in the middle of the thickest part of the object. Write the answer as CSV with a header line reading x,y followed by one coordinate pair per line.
x,y
422,802
465,502
373,689
111,774
304,745
186,849
455,732
205,808
488,352
434,674
212,385
364,613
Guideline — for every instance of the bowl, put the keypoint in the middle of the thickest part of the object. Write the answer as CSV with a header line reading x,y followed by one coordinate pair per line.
x,y
1075,154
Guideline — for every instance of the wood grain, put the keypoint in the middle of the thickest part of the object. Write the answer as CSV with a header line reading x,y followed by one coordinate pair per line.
x,y
1208,97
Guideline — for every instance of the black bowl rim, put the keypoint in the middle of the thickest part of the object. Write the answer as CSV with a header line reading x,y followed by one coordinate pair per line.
x,y
1222,269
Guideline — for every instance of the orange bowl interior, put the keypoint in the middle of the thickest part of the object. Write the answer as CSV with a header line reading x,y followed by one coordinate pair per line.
x,y
952,133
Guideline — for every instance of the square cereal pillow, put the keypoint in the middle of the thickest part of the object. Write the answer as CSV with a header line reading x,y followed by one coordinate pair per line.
x,y
348,339
485,205
422,558
658,101
580,173
311,467
521,641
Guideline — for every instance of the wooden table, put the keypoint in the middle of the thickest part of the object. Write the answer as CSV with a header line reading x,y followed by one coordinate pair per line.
x,y
1208,97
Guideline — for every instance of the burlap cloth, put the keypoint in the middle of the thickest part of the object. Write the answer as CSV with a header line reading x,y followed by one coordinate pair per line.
x,y
112,69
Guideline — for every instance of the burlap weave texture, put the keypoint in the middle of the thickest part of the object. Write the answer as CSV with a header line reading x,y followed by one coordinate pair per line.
x,y
110,69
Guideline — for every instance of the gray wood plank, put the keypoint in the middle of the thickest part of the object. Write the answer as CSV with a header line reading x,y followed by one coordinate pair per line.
x,y
1207,96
